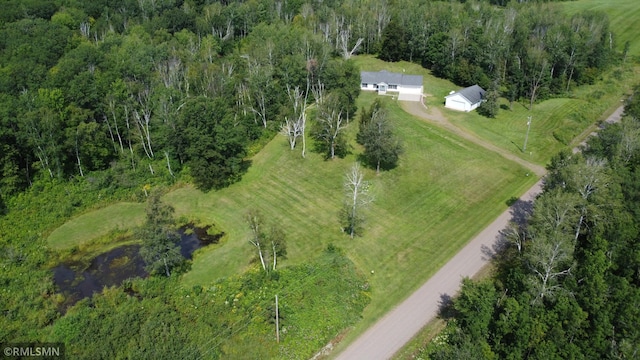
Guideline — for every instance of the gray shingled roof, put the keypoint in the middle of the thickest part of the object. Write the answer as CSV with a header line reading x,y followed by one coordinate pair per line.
x,y
372,77
473,93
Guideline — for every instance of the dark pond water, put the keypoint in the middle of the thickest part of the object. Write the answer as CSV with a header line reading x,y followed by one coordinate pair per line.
x,y
77,281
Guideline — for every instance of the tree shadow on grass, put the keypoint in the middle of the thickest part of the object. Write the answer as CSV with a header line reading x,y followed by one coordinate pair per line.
x,y
361,158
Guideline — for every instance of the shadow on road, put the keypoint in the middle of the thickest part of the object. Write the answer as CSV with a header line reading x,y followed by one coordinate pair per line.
x,y
521,211
445,307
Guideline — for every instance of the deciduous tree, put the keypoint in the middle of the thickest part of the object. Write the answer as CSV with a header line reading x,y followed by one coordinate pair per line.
x,y
329,126
357,198
268,241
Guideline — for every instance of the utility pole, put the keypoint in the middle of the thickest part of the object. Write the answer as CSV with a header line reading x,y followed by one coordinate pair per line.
x,y
524,148
277,322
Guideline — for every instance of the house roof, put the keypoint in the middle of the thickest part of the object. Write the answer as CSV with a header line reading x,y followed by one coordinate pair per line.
x,y
474,94
383,76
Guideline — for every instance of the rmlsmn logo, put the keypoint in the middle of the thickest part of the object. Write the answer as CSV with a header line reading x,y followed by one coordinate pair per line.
x,y
33,351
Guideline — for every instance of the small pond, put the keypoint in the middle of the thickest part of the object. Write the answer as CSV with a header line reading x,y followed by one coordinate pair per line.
x,y
76,281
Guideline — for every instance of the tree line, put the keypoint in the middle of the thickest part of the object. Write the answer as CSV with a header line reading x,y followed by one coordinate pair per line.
x,y
522,51
567,285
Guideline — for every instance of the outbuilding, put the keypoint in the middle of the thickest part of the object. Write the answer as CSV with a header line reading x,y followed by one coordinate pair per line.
x,y
466,99
408,87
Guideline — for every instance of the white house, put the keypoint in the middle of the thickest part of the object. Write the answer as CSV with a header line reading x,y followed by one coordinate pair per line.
x,y
466,99
408,87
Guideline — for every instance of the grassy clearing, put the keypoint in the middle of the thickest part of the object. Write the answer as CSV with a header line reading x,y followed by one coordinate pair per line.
x,y
623,17
444,191
96,224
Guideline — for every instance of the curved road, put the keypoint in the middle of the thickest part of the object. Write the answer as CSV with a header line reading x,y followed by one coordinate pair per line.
x,y
433,115
397,327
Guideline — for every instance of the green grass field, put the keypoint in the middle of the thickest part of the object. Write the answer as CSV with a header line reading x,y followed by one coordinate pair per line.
x,y
444,191
96,224
623,18
555,122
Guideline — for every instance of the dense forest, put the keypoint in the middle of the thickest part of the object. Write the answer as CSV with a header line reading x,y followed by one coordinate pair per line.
x,y
567,284
93,85
100,99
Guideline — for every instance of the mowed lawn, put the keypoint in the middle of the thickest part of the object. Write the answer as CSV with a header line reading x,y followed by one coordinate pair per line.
x,y
96,224
444,191
623,18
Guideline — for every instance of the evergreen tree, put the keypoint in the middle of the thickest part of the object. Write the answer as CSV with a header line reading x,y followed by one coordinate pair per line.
x,y
490,106
160,250
394,42
365,119
381,147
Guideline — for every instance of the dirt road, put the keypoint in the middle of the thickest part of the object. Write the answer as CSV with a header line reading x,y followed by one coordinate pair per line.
x,y
396,328
434,116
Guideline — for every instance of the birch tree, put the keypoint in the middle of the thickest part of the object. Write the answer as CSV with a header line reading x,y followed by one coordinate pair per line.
x,y
515,235
537,69
329,125
549,255
268,241
294,127
255,222
344,42
357,198
259,86
549,258
142,116
586,179
630,140
42,128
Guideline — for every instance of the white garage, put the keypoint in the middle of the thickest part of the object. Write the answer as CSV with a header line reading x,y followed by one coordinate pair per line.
x,y
466,99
